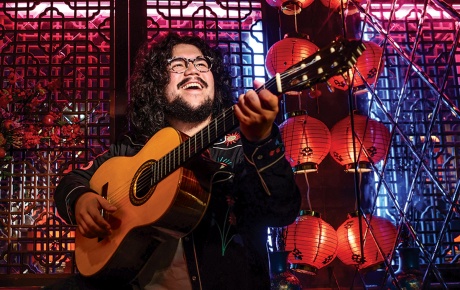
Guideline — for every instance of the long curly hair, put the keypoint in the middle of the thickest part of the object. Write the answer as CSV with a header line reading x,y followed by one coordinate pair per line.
x,y
148,82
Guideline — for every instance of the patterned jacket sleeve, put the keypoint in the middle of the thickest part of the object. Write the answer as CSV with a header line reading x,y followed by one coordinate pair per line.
x,y
268,195
76,182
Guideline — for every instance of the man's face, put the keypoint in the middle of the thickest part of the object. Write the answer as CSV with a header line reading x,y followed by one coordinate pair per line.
x,y
192,88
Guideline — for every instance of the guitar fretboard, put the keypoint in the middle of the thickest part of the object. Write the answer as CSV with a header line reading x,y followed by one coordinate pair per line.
x,y
194,145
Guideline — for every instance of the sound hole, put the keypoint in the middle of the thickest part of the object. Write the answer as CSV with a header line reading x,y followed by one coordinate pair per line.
x,y
143,183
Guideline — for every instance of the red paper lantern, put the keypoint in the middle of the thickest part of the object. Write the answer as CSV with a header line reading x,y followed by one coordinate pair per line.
x,y
367,65
312,242
307,141
287,52
290,7
381,233
372,139
334,4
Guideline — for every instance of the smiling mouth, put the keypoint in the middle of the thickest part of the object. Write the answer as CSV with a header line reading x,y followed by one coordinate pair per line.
x,y
193,85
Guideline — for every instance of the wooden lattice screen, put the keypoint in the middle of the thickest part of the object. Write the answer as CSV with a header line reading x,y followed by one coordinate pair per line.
x,y
71,44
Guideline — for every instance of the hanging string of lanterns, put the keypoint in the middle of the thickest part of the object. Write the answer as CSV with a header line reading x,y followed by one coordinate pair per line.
x,y
311,242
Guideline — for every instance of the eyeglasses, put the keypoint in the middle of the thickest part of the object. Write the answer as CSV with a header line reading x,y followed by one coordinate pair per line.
x,y
180,64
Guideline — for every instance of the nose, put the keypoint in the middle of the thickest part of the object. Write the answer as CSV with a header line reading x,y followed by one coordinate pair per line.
x,y
191,69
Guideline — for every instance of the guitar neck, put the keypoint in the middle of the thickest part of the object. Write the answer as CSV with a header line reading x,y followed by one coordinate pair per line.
x,y
216,129
336,58
194,145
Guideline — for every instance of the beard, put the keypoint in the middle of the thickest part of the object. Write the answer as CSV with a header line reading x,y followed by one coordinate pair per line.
x,y
181,110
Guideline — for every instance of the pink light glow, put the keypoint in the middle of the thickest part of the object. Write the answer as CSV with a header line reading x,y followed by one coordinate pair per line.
x,y
82,9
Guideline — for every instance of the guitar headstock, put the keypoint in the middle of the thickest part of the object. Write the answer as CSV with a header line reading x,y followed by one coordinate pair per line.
x,y
334,59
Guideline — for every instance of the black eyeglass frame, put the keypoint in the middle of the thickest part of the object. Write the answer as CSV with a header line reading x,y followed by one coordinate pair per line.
x,y
208,59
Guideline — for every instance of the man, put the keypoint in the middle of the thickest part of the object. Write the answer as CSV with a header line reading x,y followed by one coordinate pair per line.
x,y
181,83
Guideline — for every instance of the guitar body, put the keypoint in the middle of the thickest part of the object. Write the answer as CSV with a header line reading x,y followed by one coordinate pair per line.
x,y
147,214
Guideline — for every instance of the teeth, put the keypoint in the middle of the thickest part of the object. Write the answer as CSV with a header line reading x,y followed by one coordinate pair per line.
x,y
190,85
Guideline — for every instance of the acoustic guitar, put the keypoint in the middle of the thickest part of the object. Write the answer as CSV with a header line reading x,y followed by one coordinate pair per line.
x,y
157,198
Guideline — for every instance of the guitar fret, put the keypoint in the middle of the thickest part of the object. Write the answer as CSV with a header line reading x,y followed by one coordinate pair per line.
x,y
182,153
199,145
175,159
160,166
163,167
158,171
224,117
184,147
201,138
171,163
178,156
167,165
154,172
152,177
192,149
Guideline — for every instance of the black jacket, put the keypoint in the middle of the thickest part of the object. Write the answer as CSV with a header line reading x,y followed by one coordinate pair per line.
x,y
253,188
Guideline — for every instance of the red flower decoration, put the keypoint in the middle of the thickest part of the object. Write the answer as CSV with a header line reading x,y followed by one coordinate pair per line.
x,y
232,138
30,118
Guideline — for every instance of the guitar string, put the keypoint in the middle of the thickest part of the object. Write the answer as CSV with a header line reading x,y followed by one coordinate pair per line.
x,y
163,165
146,180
